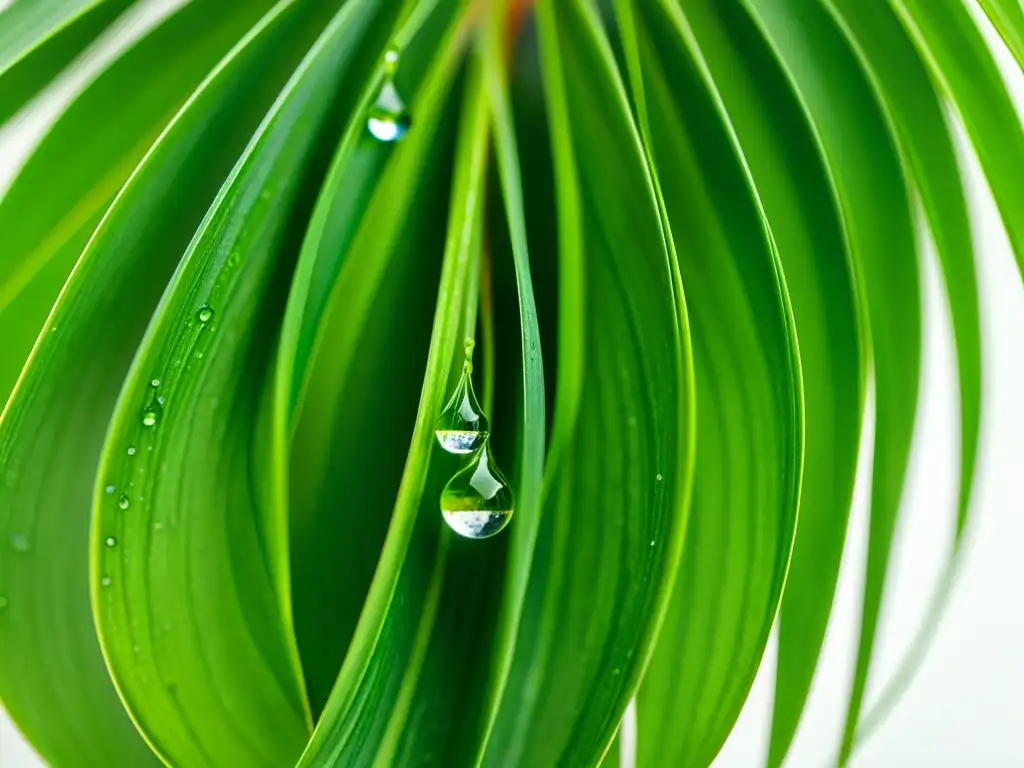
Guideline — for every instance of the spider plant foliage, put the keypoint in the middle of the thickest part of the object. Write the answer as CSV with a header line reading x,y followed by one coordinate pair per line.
x,y
249,251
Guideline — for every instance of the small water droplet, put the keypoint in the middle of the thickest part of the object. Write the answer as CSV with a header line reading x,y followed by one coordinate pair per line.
x,y
151,415
111,542
205,314
19,542
131,450
109,490
659,478
389,119
105,581
652,543
155,383
124,502
477,502
462,426
158,526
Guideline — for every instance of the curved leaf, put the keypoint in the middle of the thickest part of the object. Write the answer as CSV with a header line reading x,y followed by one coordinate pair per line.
x,y
749,406
214,637
615,504
926,142
52,676
852,126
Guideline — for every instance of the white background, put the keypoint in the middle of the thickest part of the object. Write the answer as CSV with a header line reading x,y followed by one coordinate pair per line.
x,y
966,708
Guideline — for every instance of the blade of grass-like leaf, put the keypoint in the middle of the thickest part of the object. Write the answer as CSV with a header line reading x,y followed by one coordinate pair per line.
x,y
798,196
959,59
93,144
749,405
859,145
615,504
349,376
1007,17
369,716
927,144
54,682
466,659
193,628
32,72
26,25
531,429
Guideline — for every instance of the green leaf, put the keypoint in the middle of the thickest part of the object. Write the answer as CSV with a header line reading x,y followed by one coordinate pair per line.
x,y
749,405
90,148
600,580
22,80
219,642
53,678
854,131
27,25
959,59
926,143
1007,17
357,291
779,147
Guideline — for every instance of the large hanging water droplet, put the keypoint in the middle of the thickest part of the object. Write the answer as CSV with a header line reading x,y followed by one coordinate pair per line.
x,y
389,119
477,502
462,426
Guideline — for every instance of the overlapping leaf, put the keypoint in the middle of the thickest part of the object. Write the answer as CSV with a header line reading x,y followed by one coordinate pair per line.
x,y
54,681
615,494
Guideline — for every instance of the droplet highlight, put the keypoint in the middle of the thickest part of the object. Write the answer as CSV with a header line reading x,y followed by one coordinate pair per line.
x,y
462,427
477,502
389,119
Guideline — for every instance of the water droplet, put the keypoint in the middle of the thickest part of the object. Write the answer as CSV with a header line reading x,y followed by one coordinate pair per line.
x,y
151,415
155,383
205,314
477,502
105,581
158,526
659,478
462,426
19,542
109,490
131,450
389,118
124,502
111,542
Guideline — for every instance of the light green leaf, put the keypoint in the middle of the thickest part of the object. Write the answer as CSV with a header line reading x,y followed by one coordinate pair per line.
x,y
27,25
54,682
616,489
214,637
749,404
959,59
87,154
21,81
1008,18
926,143
859,146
